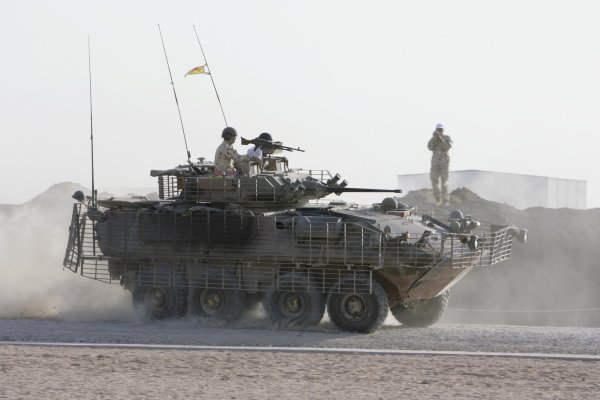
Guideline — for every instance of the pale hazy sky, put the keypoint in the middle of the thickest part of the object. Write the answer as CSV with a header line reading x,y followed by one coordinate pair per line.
x,y
359,84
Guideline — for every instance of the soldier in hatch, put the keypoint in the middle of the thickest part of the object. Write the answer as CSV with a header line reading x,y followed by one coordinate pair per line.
x,y
258,151
227,158
439,144
262,150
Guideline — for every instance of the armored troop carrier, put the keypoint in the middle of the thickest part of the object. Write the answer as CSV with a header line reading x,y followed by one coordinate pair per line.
x,y
212,246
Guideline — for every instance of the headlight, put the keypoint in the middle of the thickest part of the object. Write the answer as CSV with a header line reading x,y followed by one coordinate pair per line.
x,y
473,243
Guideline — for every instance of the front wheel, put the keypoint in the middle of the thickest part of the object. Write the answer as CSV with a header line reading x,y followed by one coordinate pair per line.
x,y
356,312
421,313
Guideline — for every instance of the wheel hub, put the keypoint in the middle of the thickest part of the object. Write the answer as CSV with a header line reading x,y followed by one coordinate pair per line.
x,y
212,301
156,298
417,306
354,307
291,304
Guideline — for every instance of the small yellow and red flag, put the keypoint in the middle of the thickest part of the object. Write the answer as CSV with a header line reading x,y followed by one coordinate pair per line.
x,y
198,70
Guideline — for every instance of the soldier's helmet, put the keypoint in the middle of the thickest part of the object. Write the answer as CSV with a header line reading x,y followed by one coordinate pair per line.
x,y
266,136
456,215
389,204
229,133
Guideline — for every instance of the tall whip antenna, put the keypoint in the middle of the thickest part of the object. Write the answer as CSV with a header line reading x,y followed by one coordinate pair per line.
x,y
175,94
211,76
91,121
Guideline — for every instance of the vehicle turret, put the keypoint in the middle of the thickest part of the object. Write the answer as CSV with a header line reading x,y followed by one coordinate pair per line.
x,y
274,186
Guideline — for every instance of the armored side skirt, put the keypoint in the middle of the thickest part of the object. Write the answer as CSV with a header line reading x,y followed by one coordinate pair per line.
x,y
195,246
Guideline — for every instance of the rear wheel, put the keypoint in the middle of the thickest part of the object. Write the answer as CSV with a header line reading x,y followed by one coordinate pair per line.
x,y
357,312
295,300
422,312
160,302
220,300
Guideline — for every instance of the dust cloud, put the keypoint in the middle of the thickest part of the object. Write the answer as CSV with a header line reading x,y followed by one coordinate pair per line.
x,y
552,280
33,284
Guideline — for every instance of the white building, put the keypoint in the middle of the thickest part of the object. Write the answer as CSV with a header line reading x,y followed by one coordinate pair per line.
x,y
520,191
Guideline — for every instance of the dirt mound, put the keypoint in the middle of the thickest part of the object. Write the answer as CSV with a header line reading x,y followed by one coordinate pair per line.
x,y
58,193
467,201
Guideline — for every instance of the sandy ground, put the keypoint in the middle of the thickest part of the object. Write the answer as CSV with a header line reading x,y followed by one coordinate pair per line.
x,y
91,373
28,372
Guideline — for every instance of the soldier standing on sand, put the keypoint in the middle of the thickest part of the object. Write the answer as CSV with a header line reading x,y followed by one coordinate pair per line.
x,y
439,144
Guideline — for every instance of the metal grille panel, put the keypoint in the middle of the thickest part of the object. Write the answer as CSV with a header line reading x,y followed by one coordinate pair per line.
x,y
197,247
232,189
74,244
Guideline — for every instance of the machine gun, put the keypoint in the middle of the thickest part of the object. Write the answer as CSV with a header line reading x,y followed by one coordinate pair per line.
x,y
269,147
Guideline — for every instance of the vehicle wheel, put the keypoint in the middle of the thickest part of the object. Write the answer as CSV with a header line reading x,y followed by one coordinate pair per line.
x,y
287,305
160,302
216,302
356,312
422,312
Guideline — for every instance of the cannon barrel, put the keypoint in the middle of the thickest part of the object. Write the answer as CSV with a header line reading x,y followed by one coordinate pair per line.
x,y
338,190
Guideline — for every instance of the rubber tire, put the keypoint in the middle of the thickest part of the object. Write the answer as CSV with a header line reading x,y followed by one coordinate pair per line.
x,y
376,309
232,301
429,312
314,302
175,302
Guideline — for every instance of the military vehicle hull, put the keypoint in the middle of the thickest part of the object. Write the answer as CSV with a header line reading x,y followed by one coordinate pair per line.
x,y
180,256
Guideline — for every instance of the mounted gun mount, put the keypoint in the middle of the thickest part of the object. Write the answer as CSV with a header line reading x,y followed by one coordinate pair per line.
x,y
268,146
212,246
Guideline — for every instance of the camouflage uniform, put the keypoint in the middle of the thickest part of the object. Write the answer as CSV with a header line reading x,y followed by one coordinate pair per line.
x,y
440,161
226,158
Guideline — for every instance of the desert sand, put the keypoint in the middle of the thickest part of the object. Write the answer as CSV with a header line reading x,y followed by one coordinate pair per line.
x,y
92,373
45,371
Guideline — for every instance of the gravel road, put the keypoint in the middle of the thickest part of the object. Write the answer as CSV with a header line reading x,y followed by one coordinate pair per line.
x,y
444,337
28,372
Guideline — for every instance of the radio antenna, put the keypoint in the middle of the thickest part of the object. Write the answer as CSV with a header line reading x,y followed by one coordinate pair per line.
x,y
91,121
211,75
175,94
